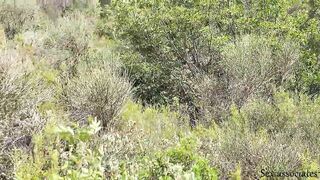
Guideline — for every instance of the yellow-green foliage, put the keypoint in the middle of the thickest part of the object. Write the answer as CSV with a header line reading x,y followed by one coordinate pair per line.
x,y
139,134
62,152
179,162
161,123
237,174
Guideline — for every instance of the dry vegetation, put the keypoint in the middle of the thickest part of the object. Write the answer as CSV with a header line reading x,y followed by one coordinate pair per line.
x,y
159,90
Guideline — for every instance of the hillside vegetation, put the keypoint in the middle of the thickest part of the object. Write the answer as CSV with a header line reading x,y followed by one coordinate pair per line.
x,y
166,89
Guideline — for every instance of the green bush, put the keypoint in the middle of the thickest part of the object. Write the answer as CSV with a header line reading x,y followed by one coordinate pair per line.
x,y
173,49
60,152
166,45
178,162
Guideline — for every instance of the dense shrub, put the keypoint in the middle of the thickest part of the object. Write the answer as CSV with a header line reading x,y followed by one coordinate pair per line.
x,y
282,21
264,136
167,39
18,104
18,99
99,92
174,50
14,19
167,45
253,66
66,41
